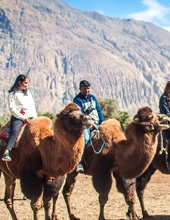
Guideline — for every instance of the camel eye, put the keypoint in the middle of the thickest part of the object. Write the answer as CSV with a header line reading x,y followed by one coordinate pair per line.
x,y
150,117
72,117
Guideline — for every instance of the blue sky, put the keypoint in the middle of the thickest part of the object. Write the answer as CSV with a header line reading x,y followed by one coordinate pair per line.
x,y
155,11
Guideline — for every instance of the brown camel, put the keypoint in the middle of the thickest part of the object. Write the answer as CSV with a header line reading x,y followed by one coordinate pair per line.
x,y
44,157
138,186
127,157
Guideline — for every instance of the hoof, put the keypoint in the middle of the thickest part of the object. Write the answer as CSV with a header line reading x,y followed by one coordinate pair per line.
x,y
54,217
146,215
130,217
73,217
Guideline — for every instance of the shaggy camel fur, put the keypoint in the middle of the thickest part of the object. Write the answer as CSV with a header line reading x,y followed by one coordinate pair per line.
x,y
43,157
127,156
139,185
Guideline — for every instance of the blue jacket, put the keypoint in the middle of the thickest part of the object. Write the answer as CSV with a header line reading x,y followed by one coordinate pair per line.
x,y
90,107
164,106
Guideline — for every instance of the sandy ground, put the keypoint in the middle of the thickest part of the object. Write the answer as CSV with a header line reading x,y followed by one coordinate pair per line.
x,y
85,201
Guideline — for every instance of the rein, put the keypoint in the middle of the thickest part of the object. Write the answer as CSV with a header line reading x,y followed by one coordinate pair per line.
x,y
163,149
97,134
144,123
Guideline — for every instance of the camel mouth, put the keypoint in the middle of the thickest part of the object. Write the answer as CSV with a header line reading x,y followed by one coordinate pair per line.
x,y
163,126
163,121
90,123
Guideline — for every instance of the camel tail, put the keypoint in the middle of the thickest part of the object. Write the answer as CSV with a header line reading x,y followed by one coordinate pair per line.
x,y
31,185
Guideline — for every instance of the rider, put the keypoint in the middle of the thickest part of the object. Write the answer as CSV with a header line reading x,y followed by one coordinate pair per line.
x,y
22,109
89,105
164,106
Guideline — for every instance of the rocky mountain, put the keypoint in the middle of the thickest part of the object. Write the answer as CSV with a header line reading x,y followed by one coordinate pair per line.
x,y
57,45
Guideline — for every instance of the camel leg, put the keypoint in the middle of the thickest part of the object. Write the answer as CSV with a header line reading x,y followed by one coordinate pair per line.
x,y
102,182
32,187
51,190
127,187
47,206
10,183
36,205
130,187
67,191
142,182
54,215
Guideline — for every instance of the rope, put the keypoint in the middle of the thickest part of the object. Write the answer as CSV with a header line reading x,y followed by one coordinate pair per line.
x,y
104,143
163,149
144,123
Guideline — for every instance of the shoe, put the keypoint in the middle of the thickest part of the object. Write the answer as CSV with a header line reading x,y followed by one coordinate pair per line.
x,y
80,168
6,157
24,198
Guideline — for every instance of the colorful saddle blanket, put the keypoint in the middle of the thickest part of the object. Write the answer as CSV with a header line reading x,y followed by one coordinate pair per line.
x,y
5,132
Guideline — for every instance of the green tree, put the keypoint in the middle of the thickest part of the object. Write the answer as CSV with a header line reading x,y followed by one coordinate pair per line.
x,y
3,119
52,116
110,110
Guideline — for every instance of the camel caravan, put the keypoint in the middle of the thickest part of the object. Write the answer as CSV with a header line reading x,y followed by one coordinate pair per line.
x,y
45,156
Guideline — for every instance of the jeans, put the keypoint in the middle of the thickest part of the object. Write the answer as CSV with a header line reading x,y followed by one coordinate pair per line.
x,y
86,133
15,126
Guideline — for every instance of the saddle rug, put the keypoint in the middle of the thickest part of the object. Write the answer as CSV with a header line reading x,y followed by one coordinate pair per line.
x,y
5,132
163,151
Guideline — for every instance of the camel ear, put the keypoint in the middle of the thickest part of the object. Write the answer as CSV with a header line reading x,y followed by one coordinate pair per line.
x,y
136,119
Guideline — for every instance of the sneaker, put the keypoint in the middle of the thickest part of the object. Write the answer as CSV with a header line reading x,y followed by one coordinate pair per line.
x,y
80,168
24,198
6,157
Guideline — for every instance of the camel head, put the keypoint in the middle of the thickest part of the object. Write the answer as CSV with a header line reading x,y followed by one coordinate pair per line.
x,y
73,119
150,121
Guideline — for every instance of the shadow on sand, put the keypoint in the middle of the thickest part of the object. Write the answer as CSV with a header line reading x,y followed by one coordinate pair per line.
x,y
157,217
2,200
153,217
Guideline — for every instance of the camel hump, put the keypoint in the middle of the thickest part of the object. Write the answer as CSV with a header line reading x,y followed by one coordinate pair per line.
x,y
110,126
110,131
111,122
40,128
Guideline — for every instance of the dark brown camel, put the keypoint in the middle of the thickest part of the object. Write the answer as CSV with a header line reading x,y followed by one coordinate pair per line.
x,y
127,157
44,157
160,162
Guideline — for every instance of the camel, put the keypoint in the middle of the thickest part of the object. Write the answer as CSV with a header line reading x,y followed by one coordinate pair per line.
x,y
44,157
127,157
138,186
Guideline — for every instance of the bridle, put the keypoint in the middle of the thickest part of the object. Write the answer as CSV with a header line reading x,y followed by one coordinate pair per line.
x,y
147,123
144,123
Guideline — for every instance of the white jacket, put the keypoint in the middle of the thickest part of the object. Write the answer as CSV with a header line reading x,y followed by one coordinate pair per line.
x,y
22,106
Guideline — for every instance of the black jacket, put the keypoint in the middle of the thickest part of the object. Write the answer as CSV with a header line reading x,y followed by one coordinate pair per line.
x,y
164,106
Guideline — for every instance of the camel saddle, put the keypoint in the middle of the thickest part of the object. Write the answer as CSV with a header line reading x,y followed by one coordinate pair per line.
x,y
5,132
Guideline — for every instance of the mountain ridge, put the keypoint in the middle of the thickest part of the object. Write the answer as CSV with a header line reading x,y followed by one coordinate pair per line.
x,y
57,45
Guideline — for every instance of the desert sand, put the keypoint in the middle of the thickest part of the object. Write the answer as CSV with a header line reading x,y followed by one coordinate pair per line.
x,y
85,201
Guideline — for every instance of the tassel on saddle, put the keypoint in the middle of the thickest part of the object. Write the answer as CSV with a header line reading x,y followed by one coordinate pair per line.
x,y
5,132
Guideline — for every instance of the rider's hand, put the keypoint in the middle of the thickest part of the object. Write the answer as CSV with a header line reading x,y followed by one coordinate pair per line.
x,y
26,120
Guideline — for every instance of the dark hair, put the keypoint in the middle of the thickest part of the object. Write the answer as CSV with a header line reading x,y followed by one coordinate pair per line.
x,y
167,88
84,83
15,87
